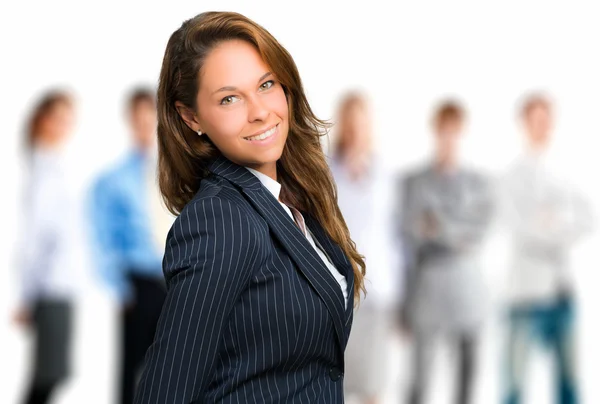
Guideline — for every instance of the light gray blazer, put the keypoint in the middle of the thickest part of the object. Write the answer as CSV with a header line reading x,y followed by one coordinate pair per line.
x,y
444,218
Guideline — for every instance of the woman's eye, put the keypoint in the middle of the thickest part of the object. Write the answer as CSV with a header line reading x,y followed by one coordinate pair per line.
x,y
230,99
267,84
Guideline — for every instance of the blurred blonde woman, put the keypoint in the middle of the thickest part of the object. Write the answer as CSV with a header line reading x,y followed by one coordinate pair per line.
x,y
364,198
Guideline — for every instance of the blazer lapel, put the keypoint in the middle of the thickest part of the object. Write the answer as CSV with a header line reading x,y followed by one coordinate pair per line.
x,y
338,257
291,238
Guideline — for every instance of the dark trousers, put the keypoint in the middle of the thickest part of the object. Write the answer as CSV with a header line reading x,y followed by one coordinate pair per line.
x,y
139,320
423,360
51,325
39,394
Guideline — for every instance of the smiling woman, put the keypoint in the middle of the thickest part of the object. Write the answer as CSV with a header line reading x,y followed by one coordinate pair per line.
x,y
261,272
243,108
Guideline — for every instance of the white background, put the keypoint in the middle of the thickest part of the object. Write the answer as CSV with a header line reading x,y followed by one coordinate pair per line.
x,y
406,56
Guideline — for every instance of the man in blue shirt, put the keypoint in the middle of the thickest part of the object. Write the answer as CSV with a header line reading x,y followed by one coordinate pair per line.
x,y
130,226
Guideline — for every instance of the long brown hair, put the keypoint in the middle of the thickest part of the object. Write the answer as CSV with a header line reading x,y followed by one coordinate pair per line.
x,y
42,109
184,157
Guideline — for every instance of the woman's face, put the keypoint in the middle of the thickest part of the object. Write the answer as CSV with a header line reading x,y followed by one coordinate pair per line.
x,y
58,123
355,127
538,123
447,139
242,107
143,123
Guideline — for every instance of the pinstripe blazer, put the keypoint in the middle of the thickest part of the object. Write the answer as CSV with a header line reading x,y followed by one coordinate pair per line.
x,y
252,313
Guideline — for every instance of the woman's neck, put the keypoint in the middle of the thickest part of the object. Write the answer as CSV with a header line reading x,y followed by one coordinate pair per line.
x,y
356,162
268,169
48,145
446,165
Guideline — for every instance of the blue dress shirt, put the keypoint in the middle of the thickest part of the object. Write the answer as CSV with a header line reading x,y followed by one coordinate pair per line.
x,y
121,225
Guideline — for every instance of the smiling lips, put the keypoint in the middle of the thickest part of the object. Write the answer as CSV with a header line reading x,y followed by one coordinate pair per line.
x,y
265,135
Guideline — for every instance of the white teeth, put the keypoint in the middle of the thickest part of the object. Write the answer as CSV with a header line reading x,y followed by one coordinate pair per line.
x,y
264,135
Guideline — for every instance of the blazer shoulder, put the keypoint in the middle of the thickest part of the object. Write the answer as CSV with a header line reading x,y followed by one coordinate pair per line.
x,y
214,195
411,177
214,186
210,186
216,221
219,201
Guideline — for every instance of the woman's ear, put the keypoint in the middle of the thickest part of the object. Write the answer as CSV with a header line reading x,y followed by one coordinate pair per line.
x,y
188,116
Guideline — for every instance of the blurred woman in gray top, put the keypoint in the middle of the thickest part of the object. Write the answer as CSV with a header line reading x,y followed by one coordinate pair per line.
x,y
445,214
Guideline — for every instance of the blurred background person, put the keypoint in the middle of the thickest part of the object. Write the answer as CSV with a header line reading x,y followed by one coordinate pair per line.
x,y
446,211
45,250
364,197
130,226
545,218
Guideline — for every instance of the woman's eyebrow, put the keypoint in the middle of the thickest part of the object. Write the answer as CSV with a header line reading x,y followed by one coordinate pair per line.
x,y
232,88
264,76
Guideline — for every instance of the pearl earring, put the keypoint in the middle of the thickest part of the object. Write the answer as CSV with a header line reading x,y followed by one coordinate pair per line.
x,y
200,132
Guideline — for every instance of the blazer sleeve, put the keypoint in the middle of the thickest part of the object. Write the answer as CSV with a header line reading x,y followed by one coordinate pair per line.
x,y
212,250
408,213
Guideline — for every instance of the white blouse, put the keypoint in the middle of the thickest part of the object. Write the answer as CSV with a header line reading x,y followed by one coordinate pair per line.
x,y
49,231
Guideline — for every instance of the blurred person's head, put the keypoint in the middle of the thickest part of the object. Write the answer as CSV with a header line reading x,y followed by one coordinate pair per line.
x,y
536,114
51,121
448,123
354,128
228,88
142,117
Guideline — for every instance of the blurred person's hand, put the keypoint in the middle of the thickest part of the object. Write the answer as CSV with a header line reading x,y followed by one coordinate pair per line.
x,y
546,217
429,225
128,306
22,317
404,323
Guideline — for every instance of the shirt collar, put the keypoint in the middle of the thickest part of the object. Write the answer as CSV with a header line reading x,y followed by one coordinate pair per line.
x,y
537,159
273,186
